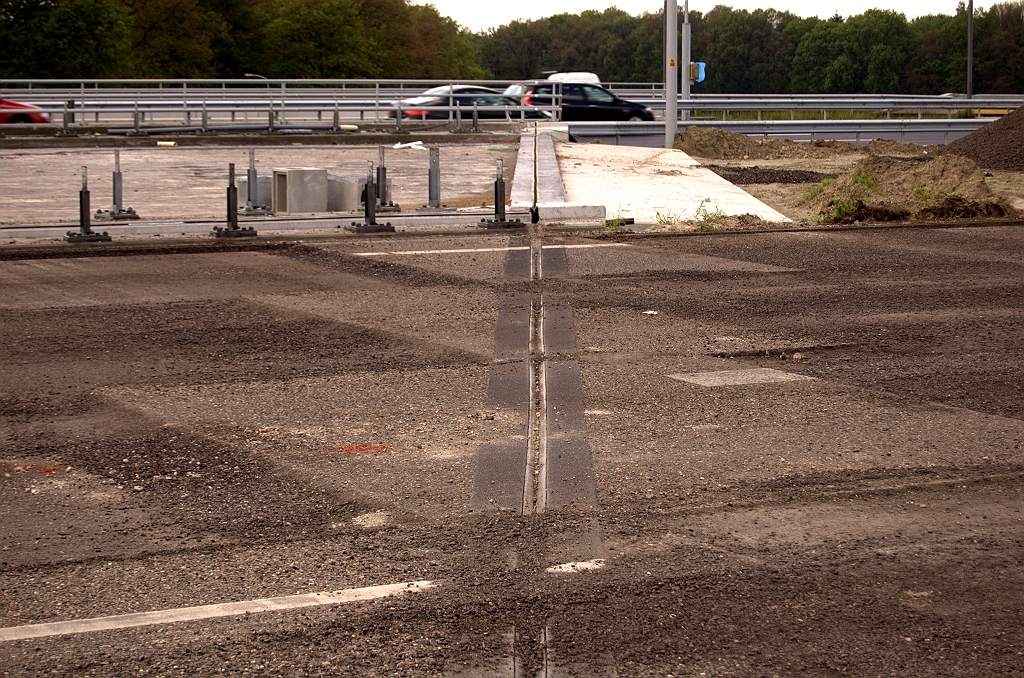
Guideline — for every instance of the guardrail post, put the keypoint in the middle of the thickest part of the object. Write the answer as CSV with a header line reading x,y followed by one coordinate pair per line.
x,y
398,116
434,178
382,178
499,220
370,224
458,117
205,127
85,232
476,117
135,117
337,116
270,118
64,118
232,230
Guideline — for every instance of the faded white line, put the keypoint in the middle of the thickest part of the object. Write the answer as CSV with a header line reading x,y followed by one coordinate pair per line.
x,y
579,566
739,377
487,249
182,614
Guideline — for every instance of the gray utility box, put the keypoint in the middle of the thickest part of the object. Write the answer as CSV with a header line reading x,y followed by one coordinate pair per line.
x,y
299,189
263,190
345,193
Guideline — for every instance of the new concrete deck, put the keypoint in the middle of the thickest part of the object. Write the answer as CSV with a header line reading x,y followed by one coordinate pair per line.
x,y
651,185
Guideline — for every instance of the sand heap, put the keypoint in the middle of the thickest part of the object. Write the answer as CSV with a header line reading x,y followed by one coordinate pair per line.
x,y
998,145
881,188
708,142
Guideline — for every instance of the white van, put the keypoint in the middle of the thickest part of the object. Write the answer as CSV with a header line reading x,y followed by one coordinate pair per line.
x,y
577,77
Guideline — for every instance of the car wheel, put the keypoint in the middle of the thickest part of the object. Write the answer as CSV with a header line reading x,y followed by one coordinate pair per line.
x,y
20,119
635,117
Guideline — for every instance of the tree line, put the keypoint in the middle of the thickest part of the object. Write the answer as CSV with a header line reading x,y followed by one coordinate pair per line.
x,y
760,51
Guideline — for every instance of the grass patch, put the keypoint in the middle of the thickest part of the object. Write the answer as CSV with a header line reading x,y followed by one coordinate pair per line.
x,y
867,180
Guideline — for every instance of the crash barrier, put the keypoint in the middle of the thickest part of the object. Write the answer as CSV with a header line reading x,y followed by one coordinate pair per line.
x,y
276,105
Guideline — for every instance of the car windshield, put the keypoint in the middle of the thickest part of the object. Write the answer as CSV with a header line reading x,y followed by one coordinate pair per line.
x,y
514,90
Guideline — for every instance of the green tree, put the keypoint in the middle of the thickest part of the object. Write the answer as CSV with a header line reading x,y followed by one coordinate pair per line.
x,y
746,51
63,39
317,39
172,38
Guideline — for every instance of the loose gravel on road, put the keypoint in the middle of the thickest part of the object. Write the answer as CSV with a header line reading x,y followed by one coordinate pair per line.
x,y
185,428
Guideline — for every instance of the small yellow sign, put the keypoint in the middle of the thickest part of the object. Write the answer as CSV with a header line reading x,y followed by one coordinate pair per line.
x,y
671,62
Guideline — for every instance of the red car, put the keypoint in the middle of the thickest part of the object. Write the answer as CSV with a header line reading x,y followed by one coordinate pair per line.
x,y
15,112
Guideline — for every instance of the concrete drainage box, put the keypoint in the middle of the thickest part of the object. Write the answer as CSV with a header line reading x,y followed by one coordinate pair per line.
x,y
345,194
299,189
263,189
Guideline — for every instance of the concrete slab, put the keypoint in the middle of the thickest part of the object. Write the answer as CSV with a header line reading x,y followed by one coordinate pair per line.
x,y
651,185
548,178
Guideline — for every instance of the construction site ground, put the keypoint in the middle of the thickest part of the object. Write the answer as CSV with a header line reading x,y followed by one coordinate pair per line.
x,y
805,455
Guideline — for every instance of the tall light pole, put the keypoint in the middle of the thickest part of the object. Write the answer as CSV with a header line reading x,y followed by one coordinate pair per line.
x,y
684,59
970,48
671,72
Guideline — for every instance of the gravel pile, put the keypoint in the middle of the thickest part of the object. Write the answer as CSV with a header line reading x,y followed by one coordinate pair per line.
x,y
998,145
767,175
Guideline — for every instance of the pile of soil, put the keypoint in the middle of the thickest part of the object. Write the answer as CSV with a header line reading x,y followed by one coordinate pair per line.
x,y
767,175
998,145
881,188
890,147
708,142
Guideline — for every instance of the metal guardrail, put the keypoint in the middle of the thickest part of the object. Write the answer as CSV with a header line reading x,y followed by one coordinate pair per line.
x,y
936,131
248,104
354,93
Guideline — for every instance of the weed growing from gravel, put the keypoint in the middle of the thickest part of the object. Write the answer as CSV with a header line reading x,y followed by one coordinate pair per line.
x,y
667,219
705,218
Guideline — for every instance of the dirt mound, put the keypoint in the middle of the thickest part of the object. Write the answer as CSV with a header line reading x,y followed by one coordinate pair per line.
x,y
955,207
709,142
998,145
881,188
890,147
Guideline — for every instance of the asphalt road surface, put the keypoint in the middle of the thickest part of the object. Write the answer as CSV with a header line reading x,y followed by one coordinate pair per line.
x,y
766,454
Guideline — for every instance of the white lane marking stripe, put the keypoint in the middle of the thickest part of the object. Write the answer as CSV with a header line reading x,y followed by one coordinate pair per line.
x,y
579,566
480,249
488,249
181,614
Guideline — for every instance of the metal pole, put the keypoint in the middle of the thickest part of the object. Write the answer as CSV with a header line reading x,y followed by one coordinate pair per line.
x,y
232,199
382,178
83,204
434,178
499,194
671,71
252,179
370,199
970,50
116,209
684,59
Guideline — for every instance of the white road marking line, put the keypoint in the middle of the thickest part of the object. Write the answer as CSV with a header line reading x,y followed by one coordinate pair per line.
x,y
739,377
487,249
462,251
579,566
181,614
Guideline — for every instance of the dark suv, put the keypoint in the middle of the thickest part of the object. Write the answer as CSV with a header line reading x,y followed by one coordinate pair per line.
x,y
579,101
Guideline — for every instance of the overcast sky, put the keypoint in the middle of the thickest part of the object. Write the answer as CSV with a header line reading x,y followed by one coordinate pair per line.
x,y
479,16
